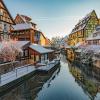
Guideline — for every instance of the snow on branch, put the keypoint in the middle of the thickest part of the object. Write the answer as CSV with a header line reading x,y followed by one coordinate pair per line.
x,y
9,51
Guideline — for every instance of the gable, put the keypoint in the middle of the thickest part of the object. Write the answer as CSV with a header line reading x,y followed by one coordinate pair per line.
x,y
18,19
93,14
22,19
5,14
1,5
93,21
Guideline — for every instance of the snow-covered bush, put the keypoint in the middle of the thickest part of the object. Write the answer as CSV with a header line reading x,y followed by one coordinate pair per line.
x,y
86,56
9,51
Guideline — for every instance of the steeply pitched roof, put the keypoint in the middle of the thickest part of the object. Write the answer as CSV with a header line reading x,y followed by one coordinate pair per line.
x,y
23,26
21,44
82,23
7,11
25,18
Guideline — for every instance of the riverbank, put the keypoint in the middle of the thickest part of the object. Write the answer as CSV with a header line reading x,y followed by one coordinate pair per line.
x,y
66,82
20,74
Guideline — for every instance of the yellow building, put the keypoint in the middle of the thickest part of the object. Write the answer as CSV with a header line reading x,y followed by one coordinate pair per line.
x,y
40,38
70,54
99,21
83,29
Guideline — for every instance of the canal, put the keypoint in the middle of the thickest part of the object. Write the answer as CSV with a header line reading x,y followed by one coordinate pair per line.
x,y
67,82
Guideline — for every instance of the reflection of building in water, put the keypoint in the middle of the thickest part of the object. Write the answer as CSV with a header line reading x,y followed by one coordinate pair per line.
x,y
87,81
30,89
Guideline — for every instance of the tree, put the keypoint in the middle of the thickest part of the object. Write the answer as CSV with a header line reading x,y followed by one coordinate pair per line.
x,y
86,55
55,42
9,51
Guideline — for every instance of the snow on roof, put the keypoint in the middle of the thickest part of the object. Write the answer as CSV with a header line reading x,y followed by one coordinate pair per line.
x,y
80,28
95,48
20,44
23,26
40,49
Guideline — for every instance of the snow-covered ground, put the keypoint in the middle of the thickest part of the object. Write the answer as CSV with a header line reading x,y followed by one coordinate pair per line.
x,y
49,65
17,73
24,70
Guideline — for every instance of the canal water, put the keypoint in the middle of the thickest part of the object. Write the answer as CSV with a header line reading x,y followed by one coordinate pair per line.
x,y
67,82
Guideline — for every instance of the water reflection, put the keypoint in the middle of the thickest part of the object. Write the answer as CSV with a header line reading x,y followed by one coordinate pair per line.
x,y
88,77
68,82
30,88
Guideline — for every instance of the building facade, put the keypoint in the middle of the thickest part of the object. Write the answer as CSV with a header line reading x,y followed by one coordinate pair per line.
x,y
26,30
83,29
6,20
94,38
40,54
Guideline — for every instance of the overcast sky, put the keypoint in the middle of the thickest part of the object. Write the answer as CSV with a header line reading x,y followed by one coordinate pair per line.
x,y
54,17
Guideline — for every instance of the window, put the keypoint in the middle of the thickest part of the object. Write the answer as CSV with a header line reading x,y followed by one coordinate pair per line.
x,y
37,36
95,34
1,12
46,56
42,58
26,52
5,27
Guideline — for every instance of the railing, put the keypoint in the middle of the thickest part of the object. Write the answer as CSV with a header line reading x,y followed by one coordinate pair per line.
x,y
20,71
9,66
17,72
